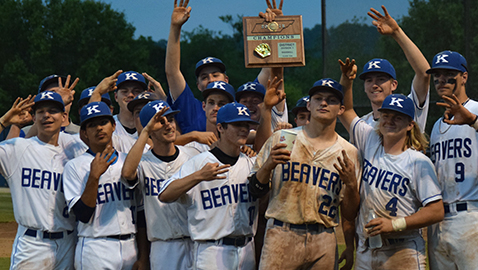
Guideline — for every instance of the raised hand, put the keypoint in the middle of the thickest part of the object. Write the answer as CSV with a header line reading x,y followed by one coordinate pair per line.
x,y
272,11
154,86
349,68
108,84
212,171
248,151
67,91
455,110
181,13
102,161
19,112
157,122
346,169
386,25
282,125
273,95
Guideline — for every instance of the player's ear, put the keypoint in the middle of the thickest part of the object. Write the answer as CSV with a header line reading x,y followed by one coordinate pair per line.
x,y
465,77
64,117
204,105
226,78
342,110
394,85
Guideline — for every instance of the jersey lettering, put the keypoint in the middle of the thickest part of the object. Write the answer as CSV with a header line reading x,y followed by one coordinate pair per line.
x,y
450,149
304,173
227,194
152,186
110,192
42,179
385,180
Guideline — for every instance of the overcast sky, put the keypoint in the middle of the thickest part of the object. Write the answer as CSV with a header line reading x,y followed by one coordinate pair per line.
x,y
152,17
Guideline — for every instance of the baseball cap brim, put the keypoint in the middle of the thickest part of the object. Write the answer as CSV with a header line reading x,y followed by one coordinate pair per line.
x,y
221,67
54,102
97,116
363,74
395,110
434,69
315,89
50,81
241,93
210,91
240,119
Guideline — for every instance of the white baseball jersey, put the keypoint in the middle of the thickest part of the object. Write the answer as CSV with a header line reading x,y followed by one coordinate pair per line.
x,y
115,204
279,117
164,221
33,170
421,112
392,185
307,189
198,147
454,151
219,208
72,144
123,139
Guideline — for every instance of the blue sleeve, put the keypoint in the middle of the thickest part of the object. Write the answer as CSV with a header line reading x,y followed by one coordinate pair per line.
x,y
192,116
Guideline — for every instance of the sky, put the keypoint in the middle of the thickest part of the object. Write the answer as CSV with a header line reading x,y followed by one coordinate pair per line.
x,y
152,17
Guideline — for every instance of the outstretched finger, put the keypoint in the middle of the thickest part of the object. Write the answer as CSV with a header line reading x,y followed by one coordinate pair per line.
x,y
186,3
377,13
73,85
268,2
280,4
274,5
175,3
443,104
385,11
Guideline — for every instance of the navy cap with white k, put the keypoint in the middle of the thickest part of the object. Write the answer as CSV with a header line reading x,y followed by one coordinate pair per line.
x,y
93,110
219,87
328,85
301,103
131,76
378,65
399,103
49,80
251,87
86,94
448,60
150,109
142,98
209,61
48,96
234,112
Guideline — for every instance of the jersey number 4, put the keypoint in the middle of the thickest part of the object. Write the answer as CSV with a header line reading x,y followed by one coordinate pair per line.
x,y
392,206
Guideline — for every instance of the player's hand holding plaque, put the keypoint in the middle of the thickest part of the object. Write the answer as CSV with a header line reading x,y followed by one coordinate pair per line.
x,y
273,40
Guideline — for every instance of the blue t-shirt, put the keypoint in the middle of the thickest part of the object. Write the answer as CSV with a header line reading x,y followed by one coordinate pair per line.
x,y
192,116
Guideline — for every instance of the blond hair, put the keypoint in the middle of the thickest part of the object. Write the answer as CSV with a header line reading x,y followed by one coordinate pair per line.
x,y
415,139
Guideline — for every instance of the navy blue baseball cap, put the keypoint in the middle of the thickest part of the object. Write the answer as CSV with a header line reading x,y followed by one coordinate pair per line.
x,y
251,87
86,94
131,76
47,96
150,109
142,98
210,61
301,103
219,87
327,84
93,110
399,103
234,112
49,80
378,65
448,60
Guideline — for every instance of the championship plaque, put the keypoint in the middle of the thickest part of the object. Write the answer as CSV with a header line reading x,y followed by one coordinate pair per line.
x,y
273,44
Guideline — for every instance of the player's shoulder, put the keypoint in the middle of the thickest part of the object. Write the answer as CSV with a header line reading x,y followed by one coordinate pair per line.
x,y
80,160
345,145
187,151
472,106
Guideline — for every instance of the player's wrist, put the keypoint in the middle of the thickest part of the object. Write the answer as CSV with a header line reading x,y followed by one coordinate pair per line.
x,y
474,123
399,224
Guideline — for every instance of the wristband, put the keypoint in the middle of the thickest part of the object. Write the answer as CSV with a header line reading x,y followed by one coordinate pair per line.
x,y
399,224
475,123
3,126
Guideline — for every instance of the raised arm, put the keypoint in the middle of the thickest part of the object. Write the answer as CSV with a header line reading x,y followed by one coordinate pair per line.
x,y
176,80
386,25
349,72
129,171
17,113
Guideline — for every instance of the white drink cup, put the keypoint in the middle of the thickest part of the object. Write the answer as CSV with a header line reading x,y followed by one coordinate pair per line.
x,y
288,137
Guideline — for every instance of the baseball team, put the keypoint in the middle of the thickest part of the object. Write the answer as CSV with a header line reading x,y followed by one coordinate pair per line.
x,y
172,182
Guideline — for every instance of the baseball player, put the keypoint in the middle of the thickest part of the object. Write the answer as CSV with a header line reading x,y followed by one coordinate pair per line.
x,y
33,168
399,184
307,188
171,246
104,207
380,78
222,215
302,115
453,148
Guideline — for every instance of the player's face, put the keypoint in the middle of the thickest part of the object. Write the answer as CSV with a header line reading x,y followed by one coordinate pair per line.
x,y
302,118
137,121
236,133
208,75
378,86
394,124
126,92
213,103
48,118
448,82
325,106
167,134
252,101
99,131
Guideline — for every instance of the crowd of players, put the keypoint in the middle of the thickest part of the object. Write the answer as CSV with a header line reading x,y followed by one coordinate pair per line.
x,y
171,182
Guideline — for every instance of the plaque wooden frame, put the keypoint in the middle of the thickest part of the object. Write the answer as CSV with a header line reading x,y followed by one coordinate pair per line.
x,y
285,39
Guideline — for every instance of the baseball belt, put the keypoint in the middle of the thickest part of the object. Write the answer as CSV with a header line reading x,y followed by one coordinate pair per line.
x,y
232,241
121,236
315,227
47,235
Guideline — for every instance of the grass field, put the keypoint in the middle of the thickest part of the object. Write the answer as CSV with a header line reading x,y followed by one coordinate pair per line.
x,y
6,208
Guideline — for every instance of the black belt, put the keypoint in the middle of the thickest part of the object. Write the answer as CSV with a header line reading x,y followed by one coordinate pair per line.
x,y
462,206
389,241
47,235
233,241
120,236
316,227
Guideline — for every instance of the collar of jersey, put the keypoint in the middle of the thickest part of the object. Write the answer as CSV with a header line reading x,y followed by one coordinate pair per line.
x,y
115,154
222,157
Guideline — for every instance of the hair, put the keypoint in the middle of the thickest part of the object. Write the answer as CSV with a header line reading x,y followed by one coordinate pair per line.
x,y
224,126
83,125
415,139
